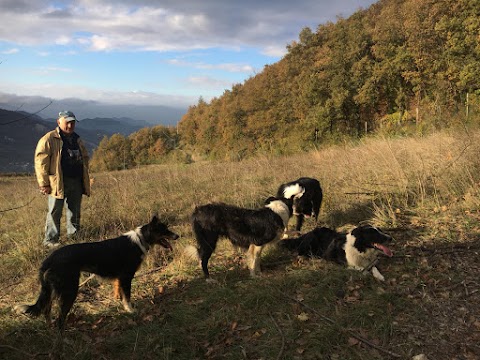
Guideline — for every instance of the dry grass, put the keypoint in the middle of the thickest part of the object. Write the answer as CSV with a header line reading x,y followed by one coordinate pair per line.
x,y
423,190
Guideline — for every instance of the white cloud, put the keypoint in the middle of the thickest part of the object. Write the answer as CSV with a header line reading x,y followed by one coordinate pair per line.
x,y
10,51
275,51
84,93
53,69
63,40
100,43
167,25
209,82
86,27
229,67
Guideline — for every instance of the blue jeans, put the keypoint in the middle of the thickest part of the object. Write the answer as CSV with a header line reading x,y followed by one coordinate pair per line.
x,y
73,190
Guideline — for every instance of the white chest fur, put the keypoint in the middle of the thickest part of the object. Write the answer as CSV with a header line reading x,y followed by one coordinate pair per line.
x,y
356,259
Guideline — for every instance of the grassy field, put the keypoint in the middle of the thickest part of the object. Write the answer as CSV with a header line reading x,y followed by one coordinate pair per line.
x,y
423,191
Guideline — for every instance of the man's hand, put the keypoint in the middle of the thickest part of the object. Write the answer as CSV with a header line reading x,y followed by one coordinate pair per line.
x,y
45,190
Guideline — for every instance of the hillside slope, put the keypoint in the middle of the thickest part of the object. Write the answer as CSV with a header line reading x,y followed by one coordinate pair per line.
x,y
400,65
423,191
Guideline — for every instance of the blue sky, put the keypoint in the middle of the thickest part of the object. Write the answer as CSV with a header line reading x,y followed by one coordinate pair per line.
x,y
148,52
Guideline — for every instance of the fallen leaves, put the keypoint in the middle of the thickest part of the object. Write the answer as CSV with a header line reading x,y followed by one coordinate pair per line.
x,y
303,317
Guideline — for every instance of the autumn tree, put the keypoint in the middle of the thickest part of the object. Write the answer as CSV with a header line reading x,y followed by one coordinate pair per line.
x,y
112,153
397,60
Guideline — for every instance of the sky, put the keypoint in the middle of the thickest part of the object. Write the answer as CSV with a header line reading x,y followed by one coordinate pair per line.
x,y
147,52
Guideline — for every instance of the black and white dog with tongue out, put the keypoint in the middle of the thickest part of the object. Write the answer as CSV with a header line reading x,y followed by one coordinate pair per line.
x,y
117,259
357,249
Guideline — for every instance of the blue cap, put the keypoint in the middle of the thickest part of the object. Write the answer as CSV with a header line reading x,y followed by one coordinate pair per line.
x,y
67,115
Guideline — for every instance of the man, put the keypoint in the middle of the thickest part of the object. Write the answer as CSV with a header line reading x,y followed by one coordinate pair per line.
x,y
61,168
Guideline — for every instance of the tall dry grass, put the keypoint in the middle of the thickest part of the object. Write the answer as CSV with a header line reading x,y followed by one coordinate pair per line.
x,y
378,180
430,184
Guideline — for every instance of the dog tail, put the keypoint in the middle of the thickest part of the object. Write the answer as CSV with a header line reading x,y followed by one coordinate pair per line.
x,y
44,300
192,252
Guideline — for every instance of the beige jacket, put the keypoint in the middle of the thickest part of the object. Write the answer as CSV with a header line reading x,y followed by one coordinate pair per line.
x,y
47,164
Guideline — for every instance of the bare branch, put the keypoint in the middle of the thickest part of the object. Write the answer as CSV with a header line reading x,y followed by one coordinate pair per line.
x,y
279,356
349,332
18,207
29,115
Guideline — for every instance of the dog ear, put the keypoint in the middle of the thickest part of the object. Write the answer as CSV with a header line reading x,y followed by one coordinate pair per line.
x,y
270,199
359,235
357,232
293,191
300,193
154,219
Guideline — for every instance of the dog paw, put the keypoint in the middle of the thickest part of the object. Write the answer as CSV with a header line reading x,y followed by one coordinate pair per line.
x,y
128,308
377,275
288,234
21,309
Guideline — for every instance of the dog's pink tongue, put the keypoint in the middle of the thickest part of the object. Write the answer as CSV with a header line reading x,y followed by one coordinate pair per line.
x,y
385,249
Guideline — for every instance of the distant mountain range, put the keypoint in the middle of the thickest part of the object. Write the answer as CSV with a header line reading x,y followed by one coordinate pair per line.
x,y
20,132
89,109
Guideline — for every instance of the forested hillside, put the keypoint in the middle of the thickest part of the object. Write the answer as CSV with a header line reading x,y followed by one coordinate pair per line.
x,y
149,145
398,67
401,65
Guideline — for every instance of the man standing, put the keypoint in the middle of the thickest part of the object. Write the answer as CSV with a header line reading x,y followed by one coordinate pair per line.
x,y
61,168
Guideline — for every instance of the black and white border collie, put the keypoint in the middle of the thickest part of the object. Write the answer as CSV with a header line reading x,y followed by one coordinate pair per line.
x,y
250,229
117,259
307,196
357,249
